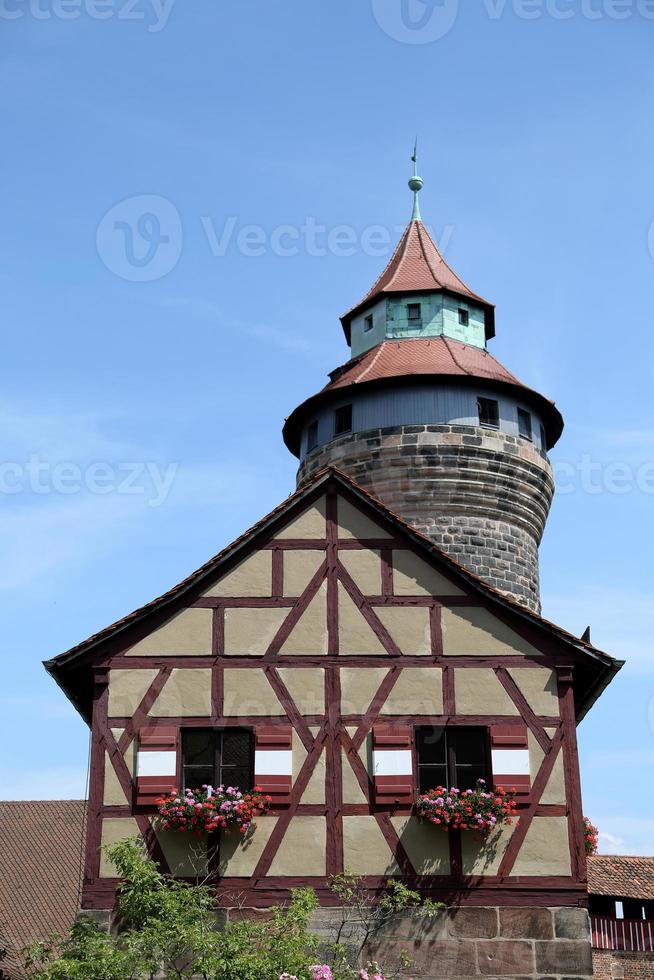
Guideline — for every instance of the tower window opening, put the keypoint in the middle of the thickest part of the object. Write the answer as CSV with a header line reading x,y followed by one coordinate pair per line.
x,y
524,424
343,420
368,324
489,412
464,318
543,438
414,314
312,436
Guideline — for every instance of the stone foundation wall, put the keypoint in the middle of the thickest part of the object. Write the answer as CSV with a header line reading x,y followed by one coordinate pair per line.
x,y
481,495
622,966
526,943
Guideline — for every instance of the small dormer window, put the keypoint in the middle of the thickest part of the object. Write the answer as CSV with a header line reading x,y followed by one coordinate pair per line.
x,y
489,412
368,324
464,318
343,420
414,314
312,436
524,424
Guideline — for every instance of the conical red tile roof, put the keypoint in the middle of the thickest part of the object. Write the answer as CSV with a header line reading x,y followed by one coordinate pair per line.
x,y
417,266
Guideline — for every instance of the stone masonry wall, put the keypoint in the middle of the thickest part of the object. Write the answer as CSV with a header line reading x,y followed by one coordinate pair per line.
x,y
481,495
526,943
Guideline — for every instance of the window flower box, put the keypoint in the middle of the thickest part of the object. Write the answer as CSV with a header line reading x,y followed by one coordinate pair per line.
x,y
207,810
479,809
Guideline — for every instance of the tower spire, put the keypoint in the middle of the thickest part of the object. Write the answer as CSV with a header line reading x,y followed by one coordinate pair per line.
x,y
416,184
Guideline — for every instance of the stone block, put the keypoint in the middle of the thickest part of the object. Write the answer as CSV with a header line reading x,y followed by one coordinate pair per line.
x,y
564,956
438,960
505,958
571,924
526,923
473,923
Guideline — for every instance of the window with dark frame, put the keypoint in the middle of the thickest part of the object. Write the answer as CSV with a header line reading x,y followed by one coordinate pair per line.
x,y
489,412
464,318
452,757
543,438
524,424
414,313
368,324
343,420
212,757
312,436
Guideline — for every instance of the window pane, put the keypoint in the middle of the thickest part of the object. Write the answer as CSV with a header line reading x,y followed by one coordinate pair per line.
x,y
431,746
236,748
343,419
429,777
239,777
195,777
469,746
489,411
312,436
524,423
198,748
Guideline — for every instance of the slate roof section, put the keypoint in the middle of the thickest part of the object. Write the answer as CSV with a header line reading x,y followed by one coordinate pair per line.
x,y
422,360
621,876
41,849
417,266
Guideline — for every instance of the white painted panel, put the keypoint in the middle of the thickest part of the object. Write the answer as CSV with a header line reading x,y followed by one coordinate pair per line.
x,y
157,764
278,762
392,763
511,762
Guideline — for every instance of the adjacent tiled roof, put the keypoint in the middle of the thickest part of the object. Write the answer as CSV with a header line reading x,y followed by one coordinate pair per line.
x,y
436,355
621,877
41,847
415,266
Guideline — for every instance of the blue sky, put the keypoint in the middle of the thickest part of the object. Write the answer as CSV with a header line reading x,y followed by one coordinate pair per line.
x,y
142,400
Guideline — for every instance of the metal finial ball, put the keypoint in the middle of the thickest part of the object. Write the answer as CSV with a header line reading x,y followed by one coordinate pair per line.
x,y
416,183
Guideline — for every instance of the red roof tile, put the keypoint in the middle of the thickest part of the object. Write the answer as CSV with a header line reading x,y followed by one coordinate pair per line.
x,y
415,266
437,355
621,877
41,847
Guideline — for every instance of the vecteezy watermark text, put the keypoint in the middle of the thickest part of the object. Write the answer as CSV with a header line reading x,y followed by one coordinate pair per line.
x,y
153,14
141,238
42,477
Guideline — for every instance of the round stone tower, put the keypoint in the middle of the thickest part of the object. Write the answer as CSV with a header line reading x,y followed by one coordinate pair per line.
x,y
429,422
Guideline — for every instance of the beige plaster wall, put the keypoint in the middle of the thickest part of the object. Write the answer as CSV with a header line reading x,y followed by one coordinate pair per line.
x,y
352,523
303,849
249,632
540,688
251,577
248,692
365,568
352,792
356,637
188,634
309,635
413,576
311,523
358,687
113,791
428,849
115,829
306,685
186,856
409,627
546,850
418,691
299,569
554,792
477,691
238,858
127,688
186,693
484,857
473,631
365,849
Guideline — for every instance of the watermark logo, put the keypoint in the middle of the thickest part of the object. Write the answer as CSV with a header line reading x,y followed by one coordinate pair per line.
x,y
140,239
416,21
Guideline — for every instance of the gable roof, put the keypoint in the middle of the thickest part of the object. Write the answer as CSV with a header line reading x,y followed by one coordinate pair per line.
x,y
73,669
419,360
417,266
40,873
621,876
